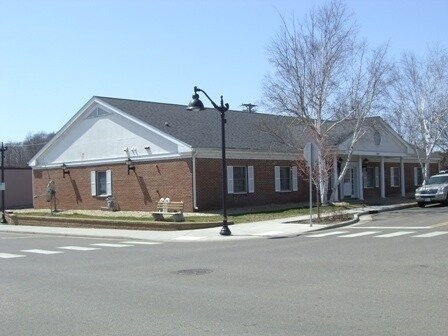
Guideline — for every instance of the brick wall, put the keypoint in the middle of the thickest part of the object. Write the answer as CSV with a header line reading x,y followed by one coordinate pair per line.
x,y
138,191
209,185
142,188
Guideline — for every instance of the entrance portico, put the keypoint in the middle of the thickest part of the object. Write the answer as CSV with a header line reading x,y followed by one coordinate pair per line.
x,y
376,177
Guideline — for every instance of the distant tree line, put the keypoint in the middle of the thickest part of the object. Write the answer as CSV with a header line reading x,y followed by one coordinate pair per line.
x,y
19,153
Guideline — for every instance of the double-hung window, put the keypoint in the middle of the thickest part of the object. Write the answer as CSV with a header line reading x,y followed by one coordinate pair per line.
x,y
418,176
240,179
394,176
101,183
286,179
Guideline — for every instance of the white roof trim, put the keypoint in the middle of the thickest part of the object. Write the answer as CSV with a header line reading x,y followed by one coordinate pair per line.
x,y
115,161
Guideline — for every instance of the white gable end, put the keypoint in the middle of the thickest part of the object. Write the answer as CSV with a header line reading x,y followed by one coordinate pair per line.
x,y
378,141
102,135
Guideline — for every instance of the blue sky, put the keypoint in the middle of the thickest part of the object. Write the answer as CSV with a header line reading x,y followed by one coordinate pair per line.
x,y
56,54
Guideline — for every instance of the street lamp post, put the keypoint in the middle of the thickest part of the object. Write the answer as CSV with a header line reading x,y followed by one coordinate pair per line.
x,y
196,105
2,150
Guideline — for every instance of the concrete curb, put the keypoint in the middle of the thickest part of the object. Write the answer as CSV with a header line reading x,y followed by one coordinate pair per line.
x,y
368,212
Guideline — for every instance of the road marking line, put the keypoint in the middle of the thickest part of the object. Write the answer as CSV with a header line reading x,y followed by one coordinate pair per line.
x,y
327,234
79,248
366,233
189,238
41,251
137,242
269,233
110,245
27,237
391,227
431,234
395,234
439,225
9,256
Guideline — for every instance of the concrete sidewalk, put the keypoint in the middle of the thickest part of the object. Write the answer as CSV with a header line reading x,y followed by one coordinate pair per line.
x,y
277,228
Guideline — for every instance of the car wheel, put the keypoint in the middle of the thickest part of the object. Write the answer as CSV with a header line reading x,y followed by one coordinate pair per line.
x,y
421,204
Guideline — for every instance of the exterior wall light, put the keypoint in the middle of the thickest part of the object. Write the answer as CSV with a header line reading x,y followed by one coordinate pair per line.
x,y
130,165
65,170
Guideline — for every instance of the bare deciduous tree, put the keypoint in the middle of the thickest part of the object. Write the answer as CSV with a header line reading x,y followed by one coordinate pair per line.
x,y
420,102
325,78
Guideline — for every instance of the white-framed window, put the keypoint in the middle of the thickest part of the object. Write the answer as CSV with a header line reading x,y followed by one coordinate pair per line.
x,y
240,179
394,176
418,176
286,179
101,183
371,177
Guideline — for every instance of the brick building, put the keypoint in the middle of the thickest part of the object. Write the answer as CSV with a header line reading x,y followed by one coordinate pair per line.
x,y
139,152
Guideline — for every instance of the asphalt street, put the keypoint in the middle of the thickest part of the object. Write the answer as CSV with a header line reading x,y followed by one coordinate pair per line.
x,y
335,284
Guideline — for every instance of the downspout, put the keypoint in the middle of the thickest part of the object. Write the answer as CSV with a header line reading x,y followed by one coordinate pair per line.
x,y
193,159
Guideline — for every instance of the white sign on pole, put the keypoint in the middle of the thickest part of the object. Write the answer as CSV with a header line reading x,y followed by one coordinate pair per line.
x,y
2,186
310,152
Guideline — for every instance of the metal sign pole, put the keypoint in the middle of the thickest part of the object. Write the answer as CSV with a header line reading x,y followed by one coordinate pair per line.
x,y
311,185
2,151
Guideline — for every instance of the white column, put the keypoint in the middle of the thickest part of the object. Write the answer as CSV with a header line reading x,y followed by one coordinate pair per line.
x,y
382,182
360,179
335,178
402,185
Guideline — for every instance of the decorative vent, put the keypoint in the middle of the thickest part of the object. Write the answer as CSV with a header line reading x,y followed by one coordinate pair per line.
x,y
97,113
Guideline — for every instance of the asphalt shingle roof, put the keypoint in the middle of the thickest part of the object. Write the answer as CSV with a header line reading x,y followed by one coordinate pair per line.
x,y
202,129
244,130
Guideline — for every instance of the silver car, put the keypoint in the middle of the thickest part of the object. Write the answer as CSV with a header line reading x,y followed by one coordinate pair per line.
x,y
435,190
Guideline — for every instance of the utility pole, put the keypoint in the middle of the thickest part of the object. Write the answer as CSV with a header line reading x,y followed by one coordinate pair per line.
x,y
2,150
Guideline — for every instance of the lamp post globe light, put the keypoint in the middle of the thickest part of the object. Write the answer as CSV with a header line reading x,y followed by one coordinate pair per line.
x,y
197,105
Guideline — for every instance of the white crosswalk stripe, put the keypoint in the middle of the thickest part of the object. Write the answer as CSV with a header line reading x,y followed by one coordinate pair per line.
x,y
41,251
376,234
360,234
9,256
79,248
110,245
395,234
431,234
138,242
93,247
333,233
